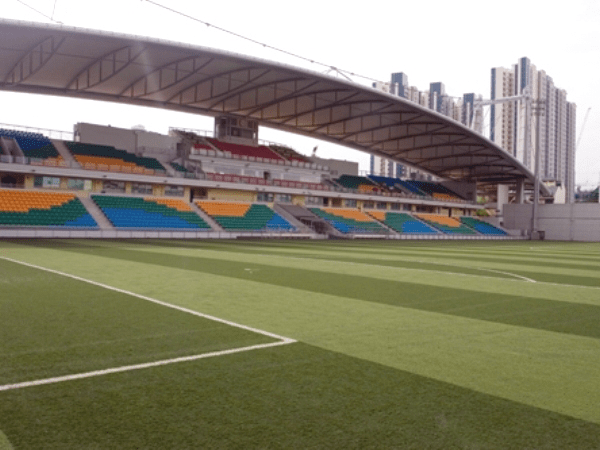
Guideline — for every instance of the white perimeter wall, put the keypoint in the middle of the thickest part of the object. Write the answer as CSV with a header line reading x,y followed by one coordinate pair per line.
x,y
572,222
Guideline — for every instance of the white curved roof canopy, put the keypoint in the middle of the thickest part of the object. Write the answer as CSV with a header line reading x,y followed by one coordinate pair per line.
x,y
56,60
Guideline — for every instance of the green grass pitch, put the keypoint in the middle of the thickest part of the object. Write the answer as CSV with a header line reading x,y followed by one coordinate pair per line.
x,y
424,345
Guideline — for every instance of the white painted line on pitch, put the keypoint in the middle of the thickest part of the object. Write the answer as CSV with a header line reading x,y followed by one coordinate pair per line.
x,y
518,277
545,283
164,362
530,280
153,300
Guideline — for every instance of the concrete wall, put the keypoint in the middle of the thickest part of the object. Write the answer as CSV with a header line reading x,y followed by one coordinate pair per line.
x,y
570,222
337,167
231,195
127,139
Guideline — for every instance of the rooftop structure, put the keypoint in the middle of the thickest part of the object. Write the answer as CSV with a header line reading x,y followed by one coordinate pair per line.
x,y
56,60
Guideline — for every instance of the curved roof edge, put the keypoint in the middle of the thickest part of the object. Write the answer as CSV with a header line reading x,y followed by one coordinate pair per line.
x,y
80,63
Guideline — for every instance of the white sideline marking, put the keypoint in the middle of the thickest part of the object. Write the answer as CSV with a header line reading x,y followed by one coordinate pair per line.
x,y
164,362
282,339
153,300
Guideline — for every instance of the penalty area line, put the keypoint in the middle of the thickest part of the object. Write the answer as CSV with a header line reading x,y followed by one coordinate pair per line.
x,y
164,362
153,300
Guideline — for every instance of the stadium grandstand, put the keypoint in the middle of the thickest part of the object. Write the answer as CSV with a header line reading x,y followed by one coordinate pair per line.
x,y
226,182
210,187
208,288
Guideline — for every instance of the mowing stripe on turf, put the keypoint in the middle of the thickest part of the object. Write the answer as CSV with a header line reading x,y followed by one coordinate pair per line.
x,y
153,300
164,362
519,277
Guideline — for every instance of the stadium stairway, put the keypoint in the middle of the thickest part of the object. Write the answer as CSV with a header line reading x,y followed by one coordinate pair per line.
x,y
318,225
209,220
96,213
279,209
389,229
63,151
11,147
171,172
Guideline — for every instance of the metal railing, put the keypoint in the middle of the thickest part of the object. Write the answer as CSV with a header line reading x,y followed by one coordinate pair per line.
x,y
49,133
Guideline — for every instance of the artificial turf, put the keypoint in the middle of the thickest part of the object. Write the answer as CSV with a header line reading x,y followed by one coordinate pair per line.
x,y
401,345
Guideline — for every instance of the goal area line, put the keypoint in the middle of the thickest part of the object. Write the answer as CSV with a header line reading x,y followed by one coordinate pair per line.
x,y
164,362
280,340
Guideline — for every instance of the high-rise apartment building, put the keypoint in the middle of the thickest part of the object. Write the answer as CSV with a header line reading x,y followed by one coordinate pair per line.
x,y
551,124
437,95
401,80
436,99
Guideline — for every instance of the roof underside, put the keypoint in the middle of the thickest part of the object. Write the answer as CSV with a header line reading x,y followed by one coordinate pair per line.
x,y
44,59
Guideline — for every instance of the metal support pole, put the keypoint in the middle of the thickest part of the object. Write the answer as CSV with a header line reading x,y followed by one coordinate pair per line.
x,y
538,111
527,155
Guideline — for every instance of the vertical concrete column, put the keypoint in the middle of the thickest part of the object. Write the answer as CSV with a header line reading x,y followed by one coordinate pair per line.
x,y
502,196
520,197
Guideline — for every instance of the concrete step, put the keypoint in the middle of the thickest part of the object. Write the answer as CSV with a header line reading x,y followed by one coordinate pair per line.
x,y
291,219
319,225
63,151
389,230
209,220
96,213
12,148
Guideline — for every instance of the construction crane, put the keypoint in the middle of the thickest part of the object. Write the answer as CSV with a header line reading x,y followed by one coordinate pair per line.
x,y
478,105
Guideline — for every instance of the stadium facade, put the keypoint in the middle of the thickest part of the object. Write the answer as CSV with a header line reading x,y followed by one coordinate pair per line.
x,y
107,182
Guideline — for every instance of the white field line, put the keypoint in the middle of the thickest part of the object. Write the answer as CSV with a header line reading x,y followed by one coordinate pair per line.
x,y
518,277
282,340
529,280
153,300
164,362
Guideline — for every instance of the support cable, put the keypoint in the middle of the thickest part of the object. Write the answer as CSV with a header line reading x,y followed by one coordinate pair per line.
x,y
39,12
329,68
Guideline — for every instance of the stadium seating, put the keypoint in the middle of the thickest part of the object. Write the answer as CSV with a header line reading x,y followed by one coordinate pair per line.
x,y
402,222
349,221
33,145
362,184
289,153
482,227
105,157
245,216
388,182
178,167
447,225
149,213
409,188
43,209
246,150
437,191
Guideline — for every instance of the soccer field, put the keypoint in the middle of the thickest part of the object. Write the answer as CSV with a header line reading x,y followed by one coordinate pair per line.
x,y
299,344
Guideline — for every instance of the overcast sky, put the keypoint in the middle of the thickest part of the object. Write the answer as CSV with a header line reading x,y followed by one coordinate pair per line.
x,y
455,42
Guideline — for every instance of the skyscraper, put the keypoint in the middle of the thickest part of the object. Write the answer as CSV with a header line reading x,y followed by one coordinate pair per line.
x,y
401,80
436,99
552,124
